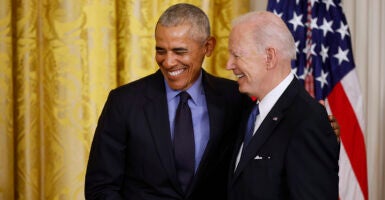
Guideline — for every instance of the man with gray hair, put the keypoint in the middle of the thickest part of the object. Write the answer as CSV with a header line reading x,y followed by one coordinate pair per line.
x,y
286,148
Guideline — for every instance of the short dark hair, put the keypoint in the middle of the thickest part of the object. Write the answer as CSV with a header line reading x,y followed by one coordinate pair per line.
x,y
184,13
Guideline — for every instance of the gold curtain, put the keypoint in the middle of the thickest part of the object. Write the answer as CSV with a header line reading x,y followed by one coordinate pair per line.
x,y
58,61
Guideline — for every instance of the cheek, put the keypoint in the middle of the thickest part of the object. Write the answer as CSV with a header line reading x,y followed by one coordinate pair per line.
x,y
159,59
253,67
199,62
191,61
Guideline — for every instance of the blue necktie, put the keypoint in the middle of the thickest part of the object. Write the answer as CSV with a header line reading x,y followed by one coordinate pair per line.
x,y
184,145
250,125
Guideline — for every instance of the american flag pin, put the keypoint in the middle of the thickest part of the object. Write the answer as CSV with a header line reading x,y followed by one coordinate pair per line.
x,y
275,118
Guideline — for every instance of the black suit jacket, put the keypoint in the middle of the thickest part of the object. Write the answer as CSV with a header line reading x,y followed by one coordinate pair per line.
x,y
293,154
131,155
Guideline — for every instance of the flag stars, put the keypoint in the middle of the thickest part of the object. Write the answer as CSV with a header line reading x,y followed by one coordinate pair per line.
x,y
312,51
312,2
328,3
343,30
296,46
327,26
305,73
342,55
313,24
278,14
324,53
296,21
319,22
322,78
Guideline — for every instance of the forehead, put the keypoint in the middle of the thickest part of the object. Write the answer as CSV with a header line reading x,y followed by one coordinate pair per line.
x,y
172,36
172,30
239,40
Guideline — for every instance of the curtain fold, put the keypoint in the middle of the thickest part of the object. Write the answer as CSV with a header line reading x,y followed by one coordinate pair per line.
x,y
26,98
58,61
7,149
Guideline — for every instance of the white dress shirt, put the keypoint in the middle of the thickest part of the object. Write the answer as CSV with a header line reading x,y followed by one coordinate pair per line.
x,y
265,106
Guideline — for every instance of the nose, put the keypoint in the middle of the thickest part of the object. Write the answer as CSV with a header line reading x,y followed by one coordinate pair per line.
x,y
170,60
230,63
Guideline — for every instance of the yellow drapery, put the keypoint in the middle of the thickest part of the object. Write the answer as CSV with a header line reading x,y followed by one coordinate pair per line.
x,y
58,61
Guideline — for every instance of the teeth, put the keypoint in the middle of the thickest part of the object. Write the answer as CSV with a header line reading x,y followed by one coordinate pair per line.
x,y
239,75
176,73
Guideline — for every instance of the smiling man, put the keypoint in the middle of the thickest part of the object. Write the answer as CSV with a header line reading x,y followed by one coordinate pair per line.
x,y
137,154
180,51
287,149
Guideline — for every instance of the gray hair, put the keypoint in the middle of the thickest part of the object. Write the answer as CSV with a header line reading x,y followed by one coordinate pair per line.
x,y
183,13
269,31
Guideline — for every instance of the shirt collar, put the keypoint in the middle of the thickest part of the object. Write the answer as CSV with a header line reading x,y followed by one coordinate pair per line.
x,y
272,97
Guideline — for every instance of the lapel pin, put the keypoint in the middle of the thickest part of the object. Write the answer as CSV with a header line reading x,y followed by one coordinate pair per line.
x,y
275,118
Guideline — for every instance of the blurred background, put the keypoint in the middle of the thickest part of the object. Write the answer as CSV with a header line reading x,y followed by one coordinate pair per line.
x,y
60,58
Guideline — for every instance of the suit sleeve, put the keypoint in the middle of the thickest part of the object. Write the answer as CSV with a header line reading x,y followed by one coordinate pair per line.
x,y
312,160
105,168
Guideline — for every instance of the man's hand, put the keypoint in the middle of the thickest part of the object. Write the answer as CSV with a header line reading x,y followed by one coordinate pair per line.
x,y
335,126
333,123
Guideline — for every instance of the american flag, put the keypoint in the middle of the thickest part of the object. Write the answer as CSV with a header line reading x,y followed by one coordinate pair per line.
x,y
325,65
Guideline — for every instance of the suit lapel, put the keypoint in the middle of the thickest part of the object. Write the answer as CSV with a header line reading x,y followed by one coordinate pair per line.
x,y
216,111
266,129
259,138
156,111
239,141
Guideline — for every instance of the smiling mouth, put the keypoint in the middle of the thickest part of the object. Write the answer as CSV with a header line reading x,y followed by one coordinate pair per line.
x,y
239,75
176,72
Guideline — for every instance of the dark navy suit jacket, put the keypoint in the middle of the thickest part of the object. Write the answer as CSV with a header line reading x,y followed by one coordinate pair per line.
x,y
293,154
131,155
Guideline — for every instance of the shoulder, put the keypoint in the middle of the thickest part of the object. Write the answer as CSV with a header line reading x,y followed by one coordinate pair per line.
x,y
225,89
140,86
296,97
218,81
137,92
220,86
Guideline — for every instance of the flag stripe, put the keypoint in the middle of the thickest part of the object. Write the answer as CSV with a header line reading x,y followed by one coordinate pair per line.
x,y
352,90
351,134
348,186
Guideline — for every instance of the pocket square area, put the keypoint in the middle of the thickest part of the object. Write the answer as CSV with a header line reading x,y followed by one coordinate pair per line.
x,y
261,157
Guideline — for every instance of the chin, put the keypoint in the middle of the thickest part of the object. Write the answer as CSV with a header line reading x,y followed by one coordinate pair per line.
x,y
176,86
245,90
242,90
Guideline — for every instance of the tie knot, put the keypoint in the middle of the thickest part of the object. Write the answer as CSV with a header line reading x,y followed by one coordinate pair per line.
x,y
184,96
255,110
251,124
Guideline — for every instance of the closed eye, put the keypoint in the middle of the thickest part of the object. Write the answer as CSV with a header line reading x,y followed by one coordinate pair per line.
x,y
160,51
180,51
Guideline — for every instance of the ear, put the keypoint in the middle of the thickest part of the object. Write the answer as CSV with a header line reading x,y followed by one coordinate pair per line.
x,y
271,57
210,45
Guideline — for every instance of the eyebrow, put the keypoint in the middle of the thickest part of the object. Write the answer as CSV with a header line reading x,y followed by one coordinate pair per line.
x,y
159,48
173,49
180,49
